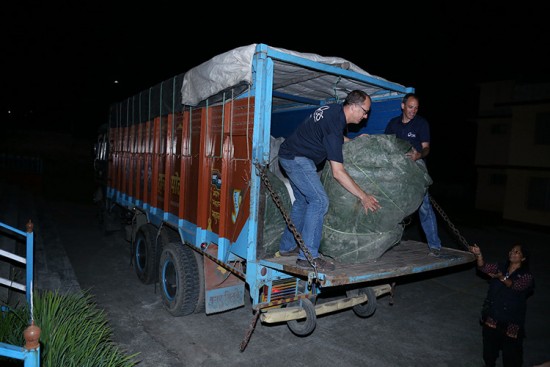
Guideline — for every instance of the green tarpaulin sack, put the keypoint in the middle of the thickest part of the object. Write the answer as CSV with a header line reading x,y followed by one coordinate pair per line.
x,y
379,166
274,223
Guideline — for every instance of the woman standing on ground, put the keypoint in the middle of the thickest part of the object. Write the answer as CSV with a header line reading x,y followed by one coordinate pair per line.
x,y
504,319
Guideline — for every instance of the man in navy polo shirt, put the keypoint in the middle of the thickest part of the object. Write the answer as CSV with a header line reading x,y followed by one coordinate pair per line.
x,y
320,137
415,129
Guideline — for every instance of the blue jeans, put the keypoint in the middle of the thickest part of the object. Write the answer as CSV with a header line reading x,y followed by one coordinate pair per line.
x,y
309,207
429,223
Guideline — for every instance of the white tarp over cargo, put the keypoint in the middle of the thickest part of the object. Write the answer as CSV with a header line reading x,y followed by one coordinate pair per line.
x,y
235,67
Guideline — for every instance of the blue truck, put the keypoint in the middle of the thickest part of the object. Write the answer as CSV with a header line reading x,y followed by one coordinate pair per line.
x,y
185,164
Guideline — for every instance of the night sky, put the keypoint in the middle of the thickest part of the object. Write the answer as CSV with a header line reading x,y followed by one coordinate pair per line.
x,y
61,59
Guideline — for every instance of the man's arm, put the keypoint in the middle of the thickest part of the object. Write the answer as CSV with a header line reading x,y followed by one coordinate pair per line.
x,y
346,139
416,155
339,173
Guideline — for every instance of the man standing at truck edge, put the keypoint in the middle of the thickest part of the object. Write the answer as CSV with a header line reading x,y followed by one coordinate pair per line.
x,y
320,137
415,129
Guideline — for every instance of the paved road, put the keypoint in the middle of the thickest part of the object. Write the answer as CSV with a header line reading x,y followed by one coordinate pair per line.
x,y
432,321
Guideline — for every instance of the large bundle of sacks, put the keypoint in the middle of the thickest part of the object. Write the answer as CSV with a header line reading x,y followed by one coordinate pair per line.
x,y
379,166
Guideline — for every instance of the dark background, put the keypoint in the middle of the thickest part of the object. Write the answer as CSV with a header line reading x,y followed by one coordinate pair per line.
x,y
59,63
66,62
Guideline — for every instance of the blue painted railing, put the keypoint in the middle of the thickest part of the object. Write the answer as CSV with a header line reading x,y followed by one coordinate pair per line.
x,y
30,352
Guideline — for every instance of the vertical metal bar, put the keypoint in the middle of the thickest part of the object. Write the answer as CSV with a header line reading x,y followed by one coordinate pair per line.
x,y
30,265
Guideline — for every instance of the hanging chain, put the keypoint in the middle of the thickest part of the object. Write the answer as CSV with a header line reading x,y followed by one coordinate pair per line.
x,y
251,328
451,225
297,236
291,226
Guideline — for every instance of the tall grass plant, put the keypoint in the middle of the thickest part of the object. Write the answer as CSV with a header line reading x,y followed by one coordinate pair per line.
x,y
74,332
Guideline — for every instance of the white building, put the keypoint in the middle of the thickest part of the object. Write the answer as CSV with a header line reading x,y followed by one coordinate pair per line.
x,y
513,151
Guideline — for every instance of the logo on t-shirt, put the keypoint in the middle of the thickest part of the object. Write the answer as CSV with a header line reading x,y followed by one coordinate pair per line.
x,y
318,113
410,134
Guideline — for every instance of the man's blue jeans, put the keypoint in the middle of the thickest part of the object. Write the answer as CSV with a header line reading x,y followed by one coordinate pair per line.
x,y
429,223
309,207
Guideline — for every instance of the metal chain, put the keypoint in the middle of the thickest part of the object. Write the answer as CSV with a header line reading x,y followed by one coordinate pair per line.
x,y
451,225
291,226
251,328
297,236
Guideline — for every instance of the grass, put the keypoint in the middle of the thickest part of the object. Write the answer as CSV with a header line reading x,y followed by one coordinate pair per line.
x,y
74,332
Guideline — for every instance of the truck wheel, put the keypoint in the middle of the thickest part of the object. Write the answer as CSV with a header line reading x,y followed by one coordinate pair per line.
x,y
179,279
364,309
168,236
200,270
145,254
305,327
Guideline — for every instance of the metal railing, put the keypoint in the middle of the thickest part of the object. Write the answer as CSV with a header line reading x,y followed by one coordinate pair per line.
x,y
30,352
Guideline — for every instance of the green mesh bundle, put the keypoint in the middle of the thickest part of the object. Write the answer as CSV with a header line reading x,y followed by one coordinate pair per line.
x,y
274,222
379,166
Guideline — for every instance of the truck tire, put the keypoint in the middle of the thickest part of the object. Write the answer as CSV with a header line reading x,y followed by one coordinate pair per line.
x,y
145,254
167,236
200,308
305,327
179,279
364,309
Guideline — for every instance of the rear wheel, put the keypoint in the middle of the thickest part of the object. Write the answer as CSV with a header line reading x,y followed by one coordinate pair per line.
x,y
168,236
304,327
179,279
145,254
365,309
200,308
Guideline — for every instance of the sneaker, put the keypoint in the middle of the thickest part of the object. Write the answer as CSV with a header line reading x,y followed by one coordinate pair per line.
x,y
435,252
320,263
293,252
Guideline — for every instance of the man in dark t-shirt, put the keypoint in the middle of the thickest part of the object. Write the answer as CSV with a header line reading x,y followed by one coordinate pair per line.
x,y
320,137
416,130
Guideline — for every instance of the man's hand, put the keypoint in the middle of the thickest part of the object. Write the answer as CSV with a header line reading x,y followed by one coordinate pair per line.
x,y
369,202
413,154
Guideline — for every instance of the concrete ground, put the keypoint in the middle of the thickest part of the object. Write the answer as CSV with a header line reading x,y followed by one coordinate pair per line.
x,y
431,320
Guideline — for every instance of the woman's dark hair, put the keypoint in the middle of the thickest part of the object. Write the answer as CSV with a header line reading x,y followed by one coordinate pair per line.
x,y
526,255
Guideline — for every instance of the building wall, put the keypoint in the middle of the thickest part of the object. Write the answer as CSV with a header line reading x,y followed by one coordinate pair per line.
x,y
493,141
490,191
523,150
513,168
516,199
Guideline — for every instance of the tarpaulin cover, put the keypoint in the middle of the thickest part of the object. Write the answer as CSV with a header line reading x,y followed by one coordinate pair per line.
x,y
274,222
379,166
235,67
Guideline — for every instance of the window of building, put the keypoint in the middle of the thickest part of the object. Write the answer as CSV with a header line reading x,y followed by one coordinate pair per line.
x,y
538,197
542,128
499,129
497,179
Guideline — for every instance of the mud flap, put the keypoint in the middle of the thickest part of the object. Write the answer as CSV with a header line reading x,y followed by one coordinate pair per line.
x,y
223,289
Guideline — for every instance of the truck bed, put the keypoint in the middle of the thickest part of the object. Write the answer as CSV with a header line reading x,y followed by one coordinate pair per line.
x,y
405,258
